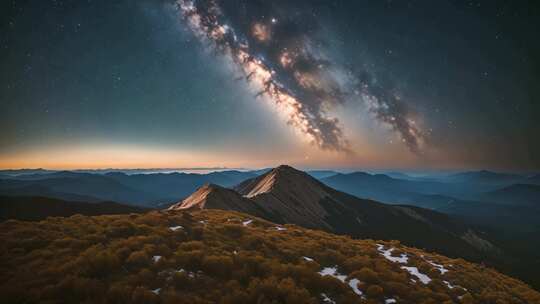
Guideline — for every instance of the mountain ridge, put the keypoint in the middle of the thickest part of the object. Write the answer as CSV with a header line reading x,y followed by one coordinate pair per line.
x,y
288,195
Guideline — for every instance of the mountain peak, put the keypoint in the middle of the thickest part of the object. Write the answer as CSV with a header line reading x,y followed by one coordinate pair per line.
x,y
199,198
281,179
211,196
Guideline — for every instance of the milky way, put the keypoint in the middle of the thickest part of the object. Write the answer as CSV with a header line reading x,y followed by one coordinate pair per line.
x,y
279,52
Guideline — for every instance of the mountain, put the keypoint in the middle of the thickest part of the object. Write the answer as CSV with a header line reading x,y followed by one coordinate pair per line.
x,y
216,256
290,196
174,186
318,174
485,177
19,172
418,192
136,189
31,208
212,196
517,194
80,184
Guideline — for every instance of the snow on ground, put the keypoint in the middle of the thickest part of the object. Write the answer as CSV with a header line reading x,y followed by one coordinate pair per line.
x,y
156,291
390,301
245,223
174,228
354,285
440,267
414,271
156,258
280,228
332,271
308,259
403,259
202,222
326,299
450,286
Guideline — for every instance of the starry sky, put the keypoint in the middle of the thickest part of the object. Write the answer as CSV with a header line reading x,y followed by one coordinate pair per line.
x,y
252,83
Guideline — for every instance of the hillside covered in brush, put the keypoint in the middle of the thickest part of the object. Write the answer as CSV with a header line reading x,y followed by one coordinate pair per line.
x,y
215,256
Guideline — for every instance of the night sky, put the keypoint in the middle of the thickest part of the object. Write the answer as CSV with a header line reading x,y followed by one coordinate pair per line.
x,y
253,83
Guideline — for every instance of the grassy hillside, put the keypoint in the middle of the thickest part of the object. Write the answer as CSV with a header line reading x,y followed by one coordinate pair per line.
x,y
214,256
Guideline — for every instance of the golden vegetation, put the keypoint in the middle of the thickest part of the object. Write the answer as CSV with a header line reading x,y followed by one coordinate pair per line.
x,y
216,257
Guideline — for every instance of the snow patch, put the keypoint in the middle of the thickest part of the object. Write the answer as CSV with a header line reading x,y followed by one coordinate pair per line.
x,y
390,301
403,259
353,283
414,271
280,228
156,258
439,267
450,286
156,291
332,271
174,228
245,223
308,259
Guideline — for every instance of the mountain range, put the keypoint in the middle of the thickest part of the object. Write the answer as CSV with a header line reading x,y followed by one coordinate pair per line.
x,y
286,195
473,215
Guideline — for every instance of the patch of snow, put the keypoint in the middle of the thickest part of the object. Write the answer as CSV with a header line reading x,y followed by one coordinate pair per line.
x,y
327,299
403,259
450,286
174,228
235,252
308,259
414,271
245,223
390,301
354,285
202,222
332,271
440,267
280,228
156,291
156,258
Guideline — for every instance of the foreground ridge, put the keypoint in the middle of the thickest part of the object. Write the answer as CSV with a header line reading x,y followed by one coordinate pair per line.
x,y
210,256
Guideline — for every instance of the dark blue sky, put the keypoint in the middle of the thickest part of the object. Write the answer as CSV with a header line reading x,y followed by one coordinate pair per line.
x,y
97,83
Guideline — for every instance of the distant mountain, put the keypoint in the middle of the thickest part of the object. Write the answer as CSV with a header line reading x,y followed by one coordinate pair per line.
x,y
384,188
426,193
32,208
16,172
175,186
290,196
318,174
517,194
138,189
80,184
485,176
